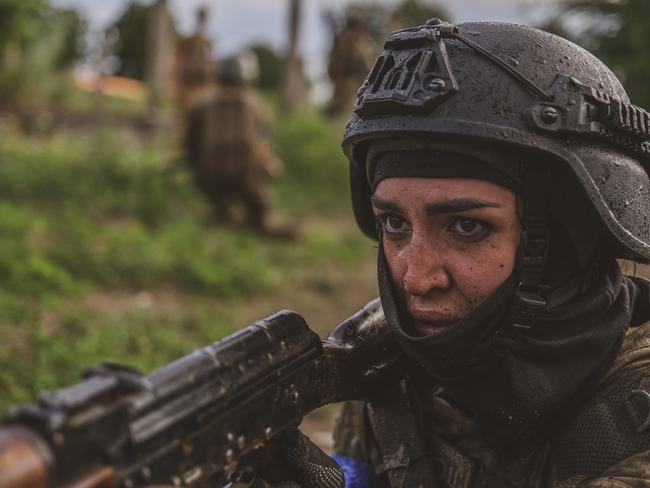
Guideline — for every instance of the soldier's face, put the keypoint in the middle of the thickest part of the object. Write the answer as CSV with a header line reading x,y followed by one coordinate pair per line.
x,y
449,244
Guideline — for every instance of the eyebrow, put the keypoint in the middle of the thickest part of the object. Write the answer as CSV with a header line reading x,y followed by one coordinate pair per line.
x,y
382,204
458,205
434,208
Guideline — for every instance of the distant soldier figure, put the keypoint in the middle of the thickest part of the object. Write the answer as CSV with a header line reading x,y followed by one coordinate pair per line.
x,y
194,64
228,151
350,60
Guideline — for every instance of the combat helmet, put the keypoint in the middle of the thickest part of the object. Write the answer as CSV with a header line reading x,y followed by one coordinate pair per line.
x,y
519,88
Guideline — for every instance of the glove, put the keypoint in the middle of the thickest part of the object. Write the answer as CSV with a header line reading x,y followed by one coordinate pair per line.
x,y
312,467
293,462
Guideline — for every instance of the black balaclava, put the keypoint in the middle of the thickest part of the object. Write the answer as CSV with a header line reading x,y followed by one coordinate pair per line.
x,y
515,388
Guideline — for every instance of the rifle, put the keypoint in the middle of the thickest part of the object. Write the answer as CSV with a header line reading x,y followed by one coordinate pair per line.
x,y
191,421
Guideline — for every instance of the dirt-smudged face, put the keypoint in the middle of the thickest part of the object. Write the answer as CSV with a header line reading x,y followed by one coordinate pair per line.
x,y
449,244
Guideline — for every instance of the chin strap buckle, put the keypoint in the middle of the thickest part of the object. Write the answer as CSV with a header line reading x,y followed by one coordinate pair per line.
x,y
529,299
528,305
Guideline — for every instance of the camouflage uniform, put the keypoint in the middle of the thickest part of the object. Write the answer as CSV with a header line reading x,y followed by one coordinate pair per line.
x,y
350,60
461,458
228,154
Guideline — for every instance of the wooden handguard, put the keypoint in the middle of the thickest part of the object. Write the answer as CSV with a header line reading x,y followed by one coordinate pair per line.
x,y
21,462
24,464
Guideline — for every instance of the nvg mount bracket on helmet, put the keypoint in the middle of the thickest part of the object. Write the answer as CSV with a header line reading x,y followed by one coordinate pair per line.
x,y
413,74
407,78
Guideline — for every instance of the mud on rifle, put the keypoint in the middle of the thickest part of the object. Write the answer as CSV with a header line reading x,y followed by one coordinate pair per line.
x,y
189,422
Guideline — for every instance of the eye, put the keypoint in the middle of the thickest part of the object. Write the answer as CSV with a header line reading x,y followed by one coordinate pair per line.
x,y
392,224
471,229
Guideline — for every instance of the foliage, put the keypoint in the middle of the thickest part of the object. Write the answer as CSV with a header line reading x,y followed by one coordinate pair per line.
x,y
380,19
617,32
72,45
270,68
131,48
94,229
20,20
410,13
310,149
373,15
59,44
36,71
29,23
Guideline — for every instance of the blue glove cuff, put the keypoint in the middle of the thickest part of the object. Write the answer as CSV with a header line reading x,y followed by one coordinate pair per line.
x,y
357,473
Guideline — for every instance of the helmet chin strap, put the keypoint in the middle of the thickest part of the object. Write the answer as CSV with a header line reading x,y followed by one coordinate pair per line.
x,y
529,297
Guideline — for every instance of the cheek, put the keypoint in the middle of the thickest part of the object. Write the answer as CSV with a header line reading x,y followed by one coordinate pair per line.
x,y
478,274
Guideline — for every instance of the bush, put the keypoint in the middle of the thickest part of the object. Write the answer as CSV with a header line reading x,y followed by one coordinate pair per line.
x,y
316,176
107,215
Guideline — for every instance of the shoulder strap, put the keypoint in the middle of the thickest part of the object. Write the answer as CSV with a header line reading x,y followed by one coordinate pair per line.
x,y
611,427
398,430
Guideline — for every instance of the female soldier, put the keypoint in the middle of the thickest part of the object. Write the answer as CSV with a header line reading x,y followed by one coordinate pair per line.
x,y
502,170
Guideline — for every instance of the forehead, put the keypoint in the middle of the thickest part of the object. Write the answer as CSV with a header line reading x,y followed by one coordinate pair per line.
x,y
406,189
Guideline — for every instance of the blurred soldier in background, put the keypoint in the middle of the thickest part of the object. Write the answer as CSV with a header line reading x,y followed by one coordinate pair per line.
x,y
350,60
228,150
194,64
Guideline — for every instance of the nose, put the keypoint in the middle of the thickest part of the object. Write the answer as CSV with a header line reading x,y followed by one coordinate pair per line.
x,y
426,269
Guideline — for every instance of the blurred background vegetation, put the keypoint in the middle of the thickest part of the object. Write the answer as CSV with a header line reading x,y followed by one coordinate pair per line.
x,y
615,31
106,248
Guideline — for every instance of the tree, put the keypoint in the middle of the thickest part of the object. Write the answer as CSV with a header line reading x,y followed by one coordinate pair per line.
x,y
72,45
24,23
160,52
38,43
617,33
270,67
416,12
294,89
380,19
131,49
20,20
19,23
373,15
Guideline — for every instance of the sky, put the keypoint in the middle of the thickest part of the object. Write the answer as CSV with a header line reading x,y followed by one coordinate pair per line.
x,y
235,24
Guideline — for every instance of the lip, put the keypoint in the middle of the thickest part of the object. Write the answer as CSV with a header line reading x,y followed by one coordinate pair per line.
x,y
431,323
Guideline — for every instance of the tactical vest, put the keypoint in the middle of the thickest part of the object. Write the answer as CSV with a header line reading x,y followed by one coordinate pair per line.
x,y
424,441
230,145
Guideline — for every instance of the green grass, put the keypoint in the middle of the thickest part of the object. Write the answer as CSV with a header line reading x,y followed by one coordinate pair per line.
x,y
105,215
317,171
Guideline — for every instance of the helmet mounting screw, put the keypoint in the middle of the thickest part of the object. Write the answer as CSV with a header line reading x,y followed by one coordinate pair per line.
x,y
436,84
550,115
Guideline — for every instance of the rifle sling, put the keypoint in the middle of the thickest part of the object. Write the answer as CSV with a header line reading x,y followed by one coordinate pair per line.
x,y
397,428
